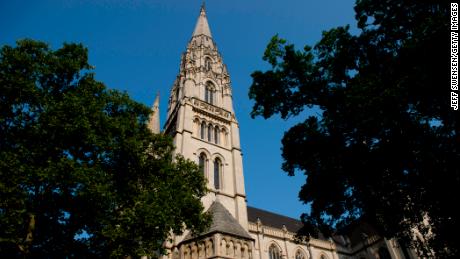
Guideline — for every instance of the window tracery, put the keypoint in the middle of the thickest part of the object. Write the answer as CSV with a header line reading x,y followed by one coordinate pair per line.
x,y
274,252
212,133
209,93
299,255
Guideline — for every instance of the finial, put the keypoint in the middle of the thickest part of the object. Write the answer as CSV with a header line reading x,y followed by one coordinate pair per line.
x,y
203,8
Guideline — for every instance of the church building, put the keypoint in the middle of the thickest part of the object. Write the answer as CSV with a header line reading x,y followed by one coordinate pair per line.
x,y
205,129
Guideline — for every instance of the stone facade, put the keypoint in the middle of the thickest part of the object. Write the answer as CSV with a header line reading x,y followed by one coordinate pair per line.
x,y
202,122
276,232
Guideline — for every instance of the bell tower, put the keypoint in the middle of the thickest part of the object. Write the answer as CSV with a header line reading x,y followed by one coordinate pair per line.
x,y
202,122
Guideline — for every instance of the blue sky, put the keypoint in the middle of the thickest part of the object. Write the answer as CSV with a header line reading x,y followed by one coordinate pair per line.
x,y
135,46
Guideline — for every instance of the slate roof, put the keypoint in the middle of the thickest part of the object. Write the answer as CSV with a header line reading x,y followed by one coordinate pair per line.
x,y
273,220
277,221
222,222
357,231
354,231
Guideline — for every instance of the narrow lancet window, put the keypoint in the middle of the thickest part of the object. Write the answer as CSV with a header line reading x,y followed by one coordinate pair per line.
x,y
206,94
210,133
211,97
202,163
217,173
209,93
207,64
216,135
203,130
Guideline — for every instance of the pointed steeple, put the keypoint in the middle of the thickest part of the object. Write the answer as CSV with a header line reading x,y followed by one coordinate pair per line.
x,y
154,120
202,26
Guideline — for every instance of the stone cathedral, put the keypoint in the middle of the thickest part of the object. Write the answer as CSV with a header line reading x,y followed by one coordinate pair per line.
x,y
205,129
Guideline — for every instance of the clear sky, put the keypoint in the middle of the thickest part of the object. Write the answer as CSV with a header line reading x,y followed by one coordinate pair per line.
x,y
135,46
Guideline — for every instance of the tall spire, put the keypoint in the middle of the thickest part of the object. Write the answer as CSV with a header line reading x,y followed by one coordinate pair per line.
x,y
154,120
202,26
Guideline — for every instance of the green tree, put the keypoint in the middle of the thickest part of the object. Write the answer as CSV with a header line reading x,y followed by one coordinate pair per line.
x,y
80,173
385,146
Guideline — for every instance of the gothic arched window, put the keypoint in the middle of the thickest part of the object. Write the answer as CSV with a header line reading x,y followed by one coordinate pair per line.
x,y
274,252
207,64
209,93
216,135
210,131
211,96
299,255
203,130
196,128
202,163
217,173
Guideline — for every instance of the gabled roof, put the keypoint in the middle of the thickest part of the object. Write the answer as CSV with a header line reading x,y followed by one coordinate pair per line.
x,y
202,26
273,220
222,222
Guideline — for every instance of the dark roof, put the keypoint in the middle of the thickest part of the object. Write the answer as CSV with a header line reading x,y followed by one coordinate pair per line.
x,y
273,220
357,231
222,222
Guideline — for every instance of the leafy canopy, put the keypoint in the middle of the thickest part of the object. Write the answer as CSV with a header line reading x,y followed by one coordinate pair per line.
x,y
80,173
386,145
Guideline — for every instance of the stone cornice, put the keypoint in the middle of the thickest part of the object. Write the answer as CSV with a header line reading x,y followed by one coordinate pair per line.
x,y
270,231
254,228
210,110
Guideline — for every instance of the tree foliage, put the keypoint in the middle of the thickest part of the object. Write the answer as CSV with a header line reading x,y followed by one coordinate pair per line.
x,y
80,173
386,146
